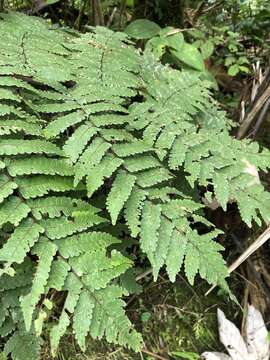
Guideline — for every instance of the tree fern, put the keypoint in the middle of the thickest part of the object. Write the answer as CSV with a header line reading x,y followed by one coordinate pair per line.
x,y
83,117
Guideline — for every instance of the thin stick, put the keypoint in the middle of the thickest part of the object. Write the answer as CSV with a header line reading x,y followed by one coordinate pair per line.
x,y
144,274
122,10
154,355
246,254
256,105
109,23
261,117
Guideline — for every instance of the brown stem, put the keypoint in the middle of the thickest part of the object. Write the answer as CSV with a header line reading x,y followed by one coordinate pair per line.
x,y
122,10
262,97
97,14
261,117
78,21
156,356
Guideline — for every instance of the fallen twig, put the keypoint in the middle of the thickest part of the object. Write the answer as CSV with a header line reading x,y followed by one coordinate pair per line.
x,y
247,253
156,356
262,97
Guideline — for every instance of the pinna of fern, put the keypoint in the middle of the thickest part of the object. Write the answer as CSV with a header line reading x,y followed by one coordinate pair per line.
x,y
86,115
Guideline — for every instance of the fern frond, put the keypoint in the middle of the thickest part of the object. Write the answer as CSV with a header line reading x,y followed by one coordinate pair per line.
x,y
20,242
153,177
166,243
55,206
39,165
17,147
141,162
75,145
119,194
8,127
22,278
91,157
83,317
22,345
58,274
61,227
133,208
59,125
106,168
7,94
74,286
32,187
128,149
151,214
45,251
163,194
7,186
13,211
105,312
170,241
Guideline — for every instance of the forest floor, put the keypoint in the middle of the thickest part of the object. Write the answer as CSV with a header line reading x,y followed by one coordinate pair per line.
x,y
172,318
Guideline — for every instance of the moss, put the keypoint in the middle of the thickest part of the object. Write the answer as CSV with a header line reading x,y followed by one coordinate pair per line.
x,y
172,318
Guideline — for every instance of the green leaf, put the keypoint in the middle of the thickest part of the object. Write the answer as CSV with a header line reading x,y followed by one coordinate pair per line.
x,y
75,145
14,126
57,276
175,41
17,147
157,45
190,55
84,243
151,214
119,194
207,49
233,70
82,318
74,286
106,168
90,158
142,29
20,242
203,254
163,244
230,60
127,149
153,177
7,186
176,253
133,208
113,323
62,123
32,187
22,345
39,165
55,206
244,69
109,267
142,162
45,251
222,190
13,211
50,2
62,226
